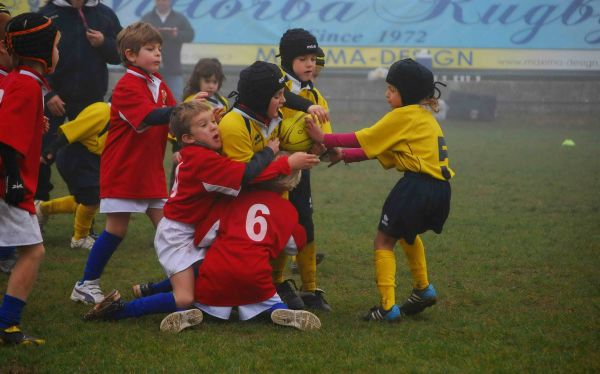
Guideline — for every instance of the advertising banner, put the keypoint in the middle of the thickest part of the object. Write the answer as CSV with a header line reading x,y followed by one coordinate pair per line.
x,y
458,34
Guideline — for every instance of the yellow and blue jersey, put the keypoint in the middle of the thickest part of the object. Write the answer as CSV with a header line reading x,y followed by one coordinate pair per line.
x,y
409,139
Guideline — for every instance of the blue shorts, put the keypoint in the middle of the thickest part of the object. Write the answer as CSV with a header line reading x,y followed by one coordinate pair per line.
x,y
417,203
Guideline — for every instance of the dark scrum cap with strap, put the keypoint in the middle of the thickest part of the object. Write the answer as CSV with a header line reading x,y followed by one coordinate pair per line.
x,y
31,36
257,85
413,80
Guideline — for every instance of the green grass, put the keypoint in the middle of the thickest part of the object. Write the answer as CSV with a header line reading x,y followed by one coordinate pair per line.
x,y
516,269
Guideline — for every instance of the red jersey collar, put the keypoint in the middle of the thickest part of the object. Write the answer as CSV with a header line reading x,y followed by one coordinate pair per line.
x,y
32,72
134,70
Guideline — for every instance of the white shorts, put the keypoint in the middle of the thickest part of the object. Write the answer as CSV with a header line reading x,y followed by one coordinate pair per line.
x,y
110,205
245,312
174,244
18,227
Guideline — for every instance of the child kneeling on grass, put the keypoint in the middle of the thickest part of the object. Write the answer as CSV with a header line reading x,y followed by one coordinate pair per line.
x,y
250,231
410,139
201,177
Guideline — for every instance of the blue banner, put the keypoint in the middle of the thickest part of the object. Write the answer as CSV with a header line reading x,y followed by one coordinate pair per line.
x,y
496,24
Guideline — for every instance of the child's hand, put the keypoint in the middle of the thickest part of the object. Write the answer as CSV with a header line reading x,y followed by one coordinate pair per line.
x,y
317,149
201,96
313,130
218,113
274,145
319,112
334,155
302,160
176,157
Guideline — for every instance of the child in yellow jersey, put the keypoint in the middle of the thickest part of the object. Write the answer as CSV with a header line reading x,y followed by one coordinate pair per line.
x,y
409,139
298,49
254,120
208,77
77,151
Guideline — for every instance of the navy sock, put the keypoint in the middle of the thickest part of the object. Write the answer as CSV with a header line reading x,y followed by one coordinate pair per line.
x,y
103,248
160,287
153,304
10,311
7,252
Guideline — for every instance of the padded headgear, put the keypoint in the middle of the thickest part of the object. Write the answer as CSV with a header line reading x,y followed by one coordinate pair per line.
x,y
257,85
320,57
31,36
413,80
294,43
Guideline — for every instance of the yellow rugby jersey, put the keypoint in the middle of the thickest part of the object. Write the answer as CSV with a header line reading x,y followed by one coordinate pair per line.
x,y
308,92
89,127
242,135
410,139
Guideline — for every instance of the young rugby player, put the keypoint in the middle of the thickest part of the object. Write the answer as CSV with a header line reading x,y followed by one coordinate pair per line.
x,y
208,77
298,50
77,149
132,176
31,40
236,271
409,139
202,177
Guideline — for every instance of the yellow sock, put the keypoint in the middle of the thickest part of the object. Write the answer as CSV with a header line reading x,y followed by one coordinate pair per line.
x,y
65,204
307,266
385,276
415,255
278,266
83,220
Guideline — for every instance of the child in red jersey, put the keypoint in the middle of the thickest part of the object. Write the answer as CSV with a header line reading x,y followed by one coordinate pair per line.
x,y
251,230
132,176
202,176
31,40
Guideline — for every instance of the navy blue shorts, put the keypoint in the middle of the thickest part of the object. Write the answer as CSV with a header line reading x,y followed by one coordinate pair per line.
x,y
80,169
301,199
417,203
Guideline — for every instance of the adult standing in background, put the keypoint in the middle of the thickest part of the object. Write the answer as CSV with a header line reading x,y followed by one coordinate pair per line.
x,y
88,42
175,30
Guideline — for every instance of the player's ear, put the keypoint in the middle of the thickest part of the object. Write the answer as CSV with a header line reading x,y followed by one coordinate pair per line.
x,y
130,55
188,139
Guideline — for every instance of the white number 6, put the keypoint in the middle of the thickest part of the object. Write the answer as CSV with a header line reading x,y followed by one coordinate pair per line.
x,y
253,219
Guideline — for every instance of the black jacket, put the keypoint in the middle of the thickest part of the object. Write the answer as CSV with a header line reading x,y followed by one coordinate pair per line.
x,y
81,73
171,48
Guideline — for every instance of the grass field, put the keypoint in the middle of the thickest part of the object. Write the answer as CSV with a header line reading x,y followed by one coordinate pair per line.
x,y
516,269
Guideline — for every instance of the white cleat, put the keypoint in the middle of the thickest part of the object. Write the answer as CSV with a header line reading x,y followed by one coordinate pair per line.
x,y
178,321
83,243
300,319
88,292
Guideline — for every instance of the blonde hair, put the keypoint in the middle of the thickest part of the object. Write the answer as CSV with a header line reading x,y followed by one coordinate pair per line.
x,y
283,182
432,103
182,115
134,37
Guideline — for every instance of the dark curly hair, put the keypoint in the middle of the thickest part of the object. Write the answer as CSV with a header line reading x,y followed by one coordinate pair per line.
x,y
205,68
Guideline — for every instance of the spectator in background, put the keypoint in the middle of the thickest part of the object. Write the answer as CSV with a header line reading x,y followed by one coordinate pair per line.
x,y
88,42
175,30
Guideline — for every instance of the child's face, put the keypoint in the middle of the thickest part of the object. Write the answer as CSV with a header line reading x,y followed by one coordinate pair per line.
x,y
205,130
276,103
393,97
55,53
148,58
304,66
209,84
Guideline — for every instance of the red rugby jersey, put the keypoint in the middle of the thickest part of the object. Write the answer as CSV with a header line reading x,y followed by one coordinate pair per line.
x,y
253,229
22,125
131,165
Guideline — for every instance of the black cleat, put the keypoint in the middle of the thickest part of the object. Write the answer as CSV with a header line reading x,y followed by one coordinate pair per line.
x,y
315,300
13,335
288,292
